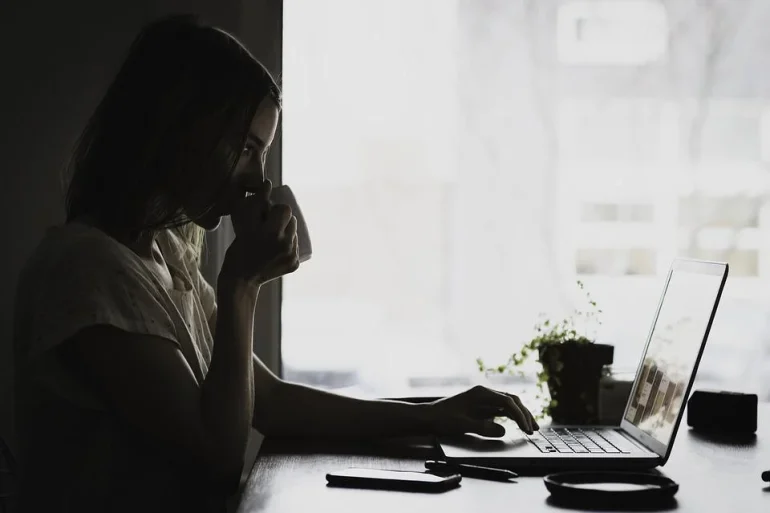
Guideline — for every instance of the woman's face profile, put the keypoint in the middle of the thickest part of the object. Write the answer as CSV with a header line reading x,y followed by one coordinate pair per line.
x,y
249,171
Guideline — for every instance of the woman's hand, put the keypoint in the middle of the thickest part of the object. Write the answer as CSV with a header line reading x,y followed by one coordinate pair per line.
x,y
265,245
474,410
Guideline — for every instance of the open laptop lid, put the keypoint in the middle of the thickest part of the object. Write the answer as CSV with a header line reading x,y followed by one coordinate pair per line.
x,y
673,351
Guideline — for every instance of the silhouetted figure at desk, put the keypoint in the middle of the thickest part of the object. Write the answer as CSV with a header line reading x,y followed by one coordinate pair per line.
x,y
137,385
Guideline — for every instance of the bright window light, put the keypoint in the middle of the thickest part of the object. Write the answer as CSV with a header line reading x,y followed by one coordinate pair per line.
x,y
612,32
456,184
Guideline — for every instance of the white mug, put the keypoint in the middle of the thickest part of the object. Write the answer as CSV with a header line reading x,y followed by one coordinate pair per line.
x,y
283,195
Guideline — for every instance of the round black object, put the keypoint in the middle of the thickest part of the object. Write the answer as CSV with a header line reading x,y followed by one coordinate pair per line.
x,y
610,489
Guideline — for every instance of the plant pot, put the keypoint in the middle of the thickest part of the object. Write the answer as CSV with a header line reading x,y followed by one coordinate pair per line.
x,y
574,371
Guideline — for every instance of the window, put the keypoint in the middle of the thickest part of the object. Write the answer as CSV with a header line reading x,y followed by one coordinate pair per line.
x,y
732,131
617,213
452,196
630,261
611,32
612,130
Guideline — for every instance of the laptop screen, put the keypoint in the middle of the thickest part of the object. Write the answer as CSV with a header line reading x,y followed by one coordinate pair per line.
x,y
672,353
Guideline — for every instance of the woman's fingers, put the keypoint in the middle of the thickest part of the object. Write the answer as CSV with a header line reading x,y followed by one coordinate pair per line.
x,y
279,218
290,230
517,413
293,255
523,408
511,409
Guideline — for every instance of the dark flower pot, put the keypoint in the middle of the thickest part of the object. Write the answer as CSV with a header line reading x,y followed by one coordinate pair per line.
x,y
574,371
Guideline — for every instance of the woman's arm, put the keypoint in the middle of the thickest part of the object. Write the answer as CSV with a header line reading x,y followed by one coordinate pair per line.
x,y
289,409
207,424
229,381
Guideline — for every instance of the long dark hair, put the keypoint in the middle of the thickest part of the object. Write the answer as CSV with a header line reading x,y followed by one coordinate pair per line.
x,y
179,107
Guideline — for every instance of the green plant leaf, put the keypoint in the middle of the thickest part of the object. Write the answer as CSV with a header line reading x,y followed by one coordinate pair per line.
x,y
551,332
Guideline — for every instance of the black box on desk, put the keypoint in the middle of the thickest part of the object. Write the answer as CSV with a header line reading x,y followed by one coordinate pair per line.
x,y
718,411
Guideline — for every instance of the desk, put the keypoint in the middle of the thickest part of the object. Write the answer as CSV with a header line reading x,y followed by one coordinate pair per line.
x,y
290,476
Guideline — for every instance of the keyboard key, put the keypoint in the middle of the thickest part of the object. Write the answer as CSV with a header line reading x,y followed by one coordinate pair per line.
x,y
618,442
601,441
565,440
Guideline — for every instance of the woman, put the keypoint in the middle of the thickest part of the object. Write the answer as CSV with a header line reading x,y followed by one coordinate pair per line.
x,y
137,385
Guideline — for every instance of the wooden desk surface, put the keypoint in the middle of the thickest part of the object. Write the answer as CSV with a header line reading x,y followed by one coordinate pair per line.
x,y
290,476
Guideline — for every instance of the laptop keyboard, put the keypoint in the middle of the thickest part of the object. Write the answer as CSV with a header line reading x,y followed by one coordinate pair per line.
x,y
569,440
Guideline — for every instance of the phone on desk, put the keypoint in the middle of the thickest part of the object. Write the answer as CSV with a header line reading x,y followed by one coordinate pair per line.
x,y
393,480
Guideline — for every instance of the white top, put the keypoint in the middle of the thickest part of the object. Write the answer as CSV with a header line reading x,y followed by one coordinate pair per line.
x,y
76,453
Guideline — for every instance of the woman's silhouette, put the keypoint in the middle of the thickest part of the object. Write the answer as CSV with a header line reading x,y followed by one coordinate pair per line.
x,y
137,385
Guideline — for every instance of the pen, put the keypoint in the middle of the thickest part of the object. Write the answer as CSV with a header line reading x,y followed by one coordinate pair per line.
x,y
473,471
766,476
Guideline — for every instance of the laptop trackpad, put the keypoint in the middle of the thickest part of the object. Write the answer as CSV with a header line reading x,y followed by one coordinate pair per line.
x,y
473,445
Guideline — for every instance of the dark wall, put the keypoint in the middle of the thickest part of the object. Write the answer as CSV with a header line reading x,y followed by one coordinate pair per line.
x,y
56,59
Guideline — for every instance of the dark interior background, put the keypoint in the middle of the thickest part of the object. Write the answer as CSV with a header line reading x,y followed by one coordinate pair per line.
x,y
57,59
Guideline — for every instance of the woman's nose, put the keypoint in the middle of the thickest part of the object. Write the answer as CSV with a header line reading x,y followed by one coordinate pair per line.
x,y
256,174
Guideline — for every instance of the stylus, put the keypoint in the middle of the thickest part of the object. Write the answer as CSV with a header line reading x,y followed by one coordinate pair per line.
x,y
472,471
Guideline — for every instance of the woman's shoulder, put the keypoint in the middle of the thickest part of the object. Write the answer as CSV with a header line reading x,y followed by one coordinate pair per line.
x,y
79,276
74,250
75,244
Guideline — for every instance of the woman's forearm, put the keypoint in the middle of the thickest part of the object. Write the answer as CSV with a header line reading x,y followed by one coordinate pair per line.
x,y
298,410
228,390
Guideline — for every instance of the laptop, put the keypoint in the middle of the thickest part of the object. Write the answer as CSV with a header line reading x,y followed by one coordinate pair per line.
x,y
655,406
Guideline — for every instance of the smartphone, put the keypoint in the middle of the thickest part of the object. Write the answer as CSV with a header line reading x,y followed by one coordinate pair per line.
x,y
393,480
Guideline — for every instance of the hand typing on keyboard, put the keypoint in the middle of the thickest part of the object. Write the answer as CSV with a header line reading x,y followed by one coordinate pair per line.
x,y
476,411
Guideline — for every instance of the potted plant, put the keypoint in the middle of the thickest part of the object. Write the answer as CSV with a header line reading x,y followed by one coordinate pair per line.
x,y
572,365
